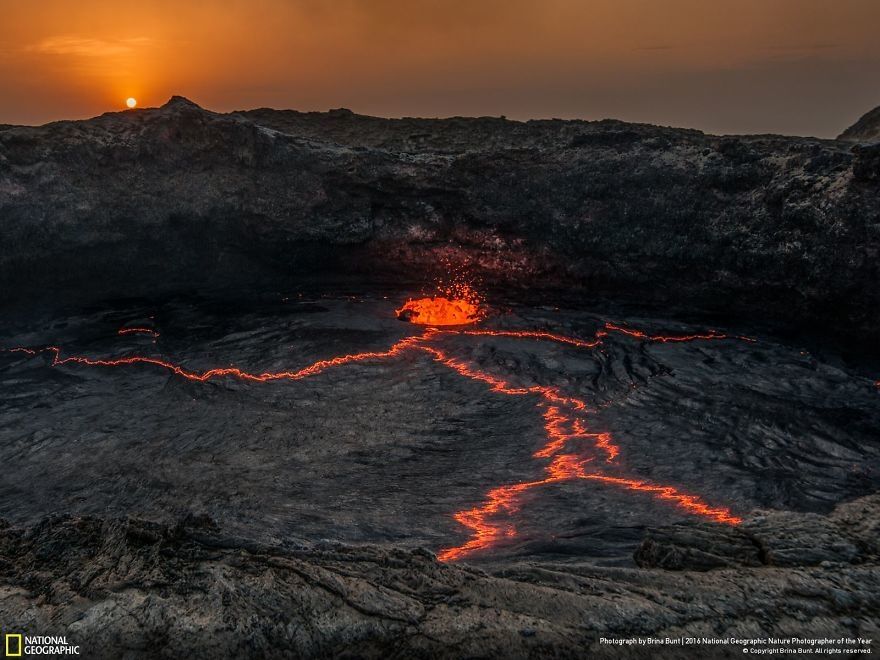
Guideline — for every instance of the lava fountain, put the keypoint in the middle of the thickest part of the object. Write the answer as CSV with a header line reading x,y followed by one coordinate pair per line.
x,y
459,306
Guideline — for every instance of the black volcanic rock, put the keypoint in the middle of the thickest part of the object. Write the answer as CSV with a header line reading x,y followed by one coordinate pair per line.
x,y
140,589
177,197
697,548
181,102
848,536
866,167
865,130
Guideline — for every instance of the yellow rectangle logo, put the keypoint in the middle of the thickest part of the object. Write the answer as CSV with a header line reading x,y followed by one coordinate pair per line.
x,y
13,646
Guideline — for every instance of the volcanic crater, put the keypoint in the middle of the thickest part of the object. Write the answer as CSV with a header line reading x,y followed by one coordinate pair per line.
x,y
663,360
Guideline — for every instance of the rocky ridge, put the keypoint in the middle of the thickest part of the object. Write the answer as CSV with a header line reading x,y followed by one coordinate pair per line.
x,y
131,588
178,197
866,129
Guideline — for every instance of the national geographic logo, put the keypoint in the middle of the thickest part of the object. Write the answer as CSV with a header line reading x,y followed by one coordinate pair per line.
x,y
17,645
13,646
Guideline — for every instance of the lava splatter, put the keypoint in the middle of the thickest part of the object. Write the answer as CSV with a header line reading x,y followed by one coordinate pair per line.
x,y
459,305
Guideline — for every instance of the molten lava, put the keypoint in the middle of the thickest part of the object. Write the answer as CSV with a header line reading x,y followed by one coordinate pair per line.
x,y
534,334
690,503
486,533
439,311
664,339
138,331
602,332
566,423
457,304
235,372
561,428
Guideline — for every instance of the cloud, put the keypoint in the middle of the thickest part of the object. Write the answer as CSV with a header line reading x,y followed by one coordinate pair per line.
x,y
806,47
85,47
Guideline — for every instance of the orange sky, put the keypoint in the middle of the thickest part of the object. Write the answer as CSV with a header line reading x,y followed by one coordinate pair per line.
x,y
788,66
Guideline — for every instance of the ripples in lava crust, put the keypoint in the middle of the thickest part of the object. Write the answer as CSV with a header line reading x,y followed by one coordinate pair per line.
x,y
575,447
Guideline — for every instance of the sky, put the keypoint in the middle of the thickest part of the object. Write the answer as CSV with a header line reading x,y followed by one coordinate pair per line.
x,y
797,67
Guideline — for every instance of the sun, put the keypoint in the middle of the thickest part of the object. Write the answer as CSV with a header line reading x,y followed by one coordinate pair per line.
x,y
131,102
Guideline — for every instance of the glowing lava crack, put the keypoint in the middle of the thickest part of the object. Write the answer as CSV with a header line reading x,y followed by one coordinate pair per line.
x,y
138,331
569,445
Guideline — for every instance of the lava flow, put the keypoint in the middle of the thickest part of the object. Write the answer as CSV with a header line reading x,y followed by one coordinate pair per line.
x,y
691,503
565,417
602,332
561,428
555,422
138,331
533,334
235,372
665,339
485,533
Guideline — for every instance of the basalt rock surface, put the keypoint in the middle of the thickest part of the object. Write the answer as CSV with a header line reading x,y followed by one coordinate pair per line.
x,y
849,535
178,197
132,588
312,502
386,451
865,130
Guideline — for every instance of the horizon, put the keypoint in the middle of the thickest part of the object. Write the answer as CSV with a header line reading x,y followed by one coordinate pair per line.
x,y
788,67
140,108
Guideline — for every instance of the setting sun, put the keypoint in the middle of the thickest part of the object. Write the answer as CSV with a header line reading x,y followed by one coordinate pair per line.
x,y
131,102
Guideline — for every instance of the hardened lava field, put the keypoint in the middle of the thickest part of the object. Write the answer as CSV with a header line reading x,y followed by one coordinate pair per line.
x,y
533,432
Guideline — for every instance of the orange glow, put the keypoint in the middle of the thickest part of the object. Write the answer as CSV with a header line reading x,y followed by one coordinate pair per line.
x,y
459,304
566,425
137,331
561,428
551,394
533,334
26,351
485,533
555,58
604,331
439,311
558,436
234,372
690,503
638,334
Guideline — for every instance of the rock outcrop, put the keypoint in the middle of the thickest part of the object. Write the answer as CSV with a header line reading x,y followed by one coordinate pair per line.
x,y
865,130
130,588
850,535
178,197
